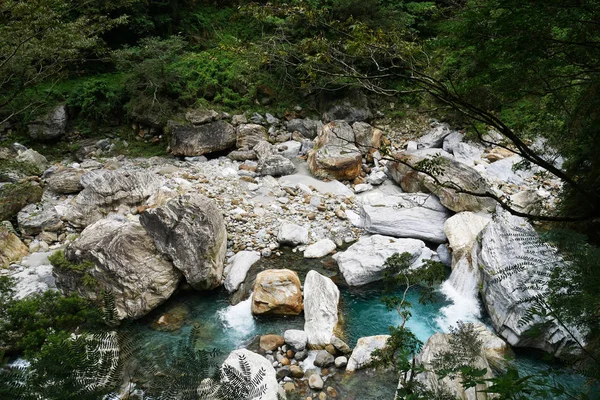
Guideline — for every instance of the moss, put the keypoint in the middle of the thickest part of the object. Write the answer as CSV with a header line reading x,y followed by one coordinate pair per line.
x,y
13,197
17,168
59,260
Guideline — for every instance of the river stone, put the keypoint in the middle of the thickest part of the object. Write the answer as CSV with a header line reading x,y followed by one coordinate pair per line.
x,y
289,149
271,342
296,339
11,247
190,230
35,218
33,158
462,230
363,262
444,254
340,345
453,178
504,255
248,135
315,382
256,363
335,155
296,372
275,165
439,343
50,126
125,263
320,249
292,234
361,355
467,153
65,180
367,138
321,298
405,215
503,172
277,292
188,140
324,359
201,116
238,267
307,127
104,191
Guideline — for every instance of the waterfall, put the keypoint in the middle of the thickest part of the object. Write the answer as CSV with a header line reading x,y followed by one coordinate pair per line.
x,y
238,318
461,289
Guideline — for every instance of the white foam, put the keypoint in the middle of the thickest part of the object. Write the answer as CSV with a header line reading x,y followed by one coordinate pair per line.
x,y
238,318
461,288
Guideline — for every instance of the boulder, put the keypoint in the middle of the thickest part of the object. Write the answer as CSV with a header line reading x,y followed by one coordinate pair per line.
x,y
277,292
335,155
238,267
289,149
351,106
104,191
515,265
467,153
35,218
296,339
201,116
320,249
190,230
321,298
418,216
307,127
189,140
11,247
340,345
434,138
248,365
65,180
242,155
503,171
292,234
324,359
452,140
366,138
341,362
361,355
452,177
363,262
270,342
13,197
462,230
116,255
248,135
51,126
275,165
37,162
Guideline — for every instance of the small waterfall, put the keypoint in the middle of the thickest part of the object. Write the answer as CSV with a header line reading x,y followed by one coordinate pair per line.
x,y
239,318
461,288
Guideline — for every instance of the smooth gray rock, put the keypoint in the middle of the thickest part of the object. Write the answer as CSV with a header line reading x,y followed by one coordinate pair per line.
x,y
452,140
238,267
361,355
125,263
341,362
289,149
502,171
444,254
416,216
190,230
248,135
434,138
189,140
467,153
324,359
515,266
35,218
462,230
104,191
65,181
352,107
315,382
275,165
362,262
292,234
307,127
51,126
340,345
321,298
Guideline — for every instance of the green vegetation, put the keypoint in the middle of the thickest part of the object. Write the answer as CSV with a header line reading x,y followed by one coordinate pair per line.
x,y
58,260
13,197
11,168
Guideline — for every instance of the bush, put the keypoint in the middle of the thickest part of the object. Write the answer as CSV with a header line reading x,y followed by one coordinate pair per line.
x,y
100,98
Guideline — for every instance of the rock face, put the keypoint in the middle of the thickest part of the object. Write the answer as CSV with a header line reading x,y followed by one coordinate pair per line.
x,y
11,247
363,262
203,139
248,135
321,298
65,181
455,175
361,355
462,230
493,349
335,155
106,190
125,262
190,230
256,362
35,218
405,215
511,259
277,292
238,267
51,126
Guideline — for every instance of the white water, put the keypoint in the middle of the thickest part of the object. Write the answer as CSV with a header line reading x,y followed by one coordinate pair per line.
x,y
238,319
461,288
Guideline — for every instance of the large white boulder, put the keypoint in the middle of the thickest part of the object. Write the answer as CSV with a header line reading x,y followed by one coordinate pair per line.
x,y
238,267
292,234
321,298
320,249
462,230
362,262
362,354
238,360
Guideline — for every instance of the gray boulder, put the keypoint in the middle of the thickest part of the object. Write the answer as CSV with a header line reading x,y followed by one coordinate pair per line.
x,y
434,138
189,140
353,107
116,255
324,359
35,218
248,135
201,116
237,269
361,355
275,165
307,127
65,180
50,126
292,234
104,191
362,262
462,230
321,298
296,339
190,230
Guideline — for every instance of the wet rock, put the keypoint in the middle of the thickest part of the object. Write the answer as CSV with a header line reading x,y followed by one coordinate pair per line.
x,y
190,230
321,298
296,339
340,345
462,230
324,359
173,319
271,342
277,292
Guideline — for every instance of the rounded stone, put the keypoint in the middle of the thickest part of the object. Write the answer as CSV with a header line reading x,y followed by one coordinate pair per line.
x,y
315,382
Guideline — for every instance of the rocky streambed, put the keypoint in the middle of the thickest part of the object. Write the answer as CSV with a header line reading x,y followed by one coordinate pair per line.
x,y
287,237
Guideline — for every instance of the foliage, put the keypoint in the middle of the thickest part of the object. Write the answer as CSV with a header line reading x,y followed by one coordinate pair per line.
x,y
99,99
15,196
13,167
58,260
